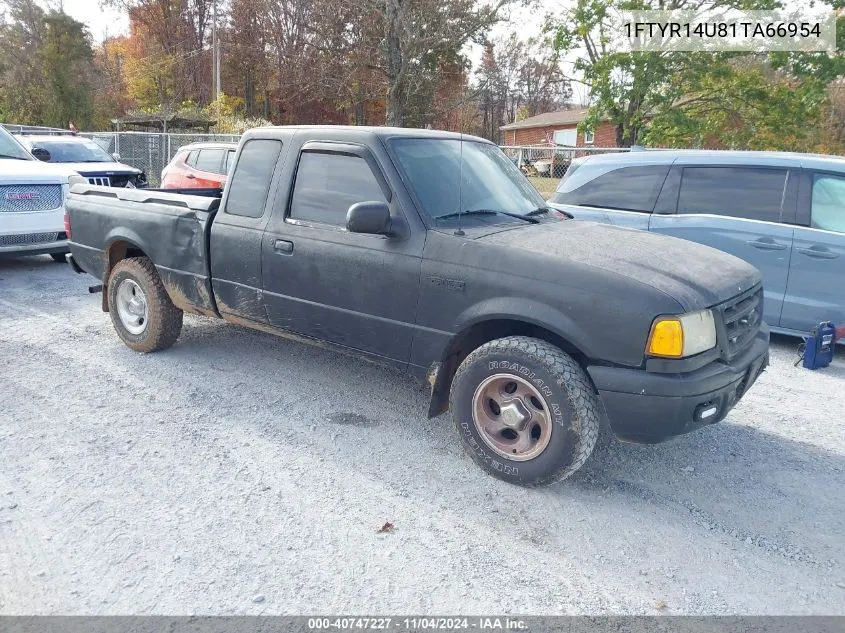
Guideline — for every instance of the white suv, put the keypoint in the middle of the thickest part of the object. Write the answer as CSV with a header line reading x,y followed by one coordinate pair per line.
x,y
32,202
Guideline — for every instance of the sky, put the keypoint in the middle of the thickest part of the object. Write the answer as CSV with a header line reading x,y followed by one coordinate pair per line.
x,y
101,22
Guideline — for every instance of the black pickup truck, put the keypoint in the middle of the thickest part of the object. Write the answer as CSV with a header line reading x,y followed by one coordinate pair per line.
x,y
431,252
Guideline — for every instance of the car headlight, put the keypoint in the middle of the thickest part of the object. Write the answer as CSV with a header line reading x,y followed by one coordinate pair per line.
x,y
76,179
683,335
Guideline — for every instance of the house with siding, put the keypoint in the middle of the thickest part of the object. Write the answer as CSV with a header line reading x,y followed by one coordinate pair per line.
x,y
558,128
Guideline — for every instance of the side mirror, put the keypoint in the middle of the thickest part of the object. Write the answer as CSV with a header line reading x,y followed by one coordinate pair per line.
x,y
41,154
116,157
368,217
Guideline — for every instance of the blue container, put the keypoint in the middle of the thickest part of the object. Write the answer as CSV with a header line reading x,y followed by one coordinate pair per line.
x,y
819,346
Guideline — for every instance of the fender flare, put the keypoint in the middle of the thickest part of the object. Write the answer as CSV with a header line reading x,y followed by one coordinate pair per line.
x,y
121,234
517,310
528,311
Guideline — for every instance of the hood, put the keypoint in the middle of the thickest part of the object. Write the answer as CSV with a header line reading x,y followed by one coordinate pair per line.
x,y
106,169
33,171
696,276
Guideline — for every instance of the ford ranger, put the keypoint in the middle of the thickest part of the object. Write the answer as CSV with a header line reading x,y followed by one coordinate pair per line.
x,y
431,252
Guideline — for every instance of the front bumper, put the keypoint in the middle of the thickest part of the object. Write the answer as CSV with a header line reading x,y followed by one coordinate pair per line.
x,y
33,233
43,248
650,407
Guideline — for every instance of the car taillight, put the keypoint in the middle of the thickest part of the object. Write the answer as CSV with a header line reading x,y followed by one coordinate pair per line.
x,y
67,225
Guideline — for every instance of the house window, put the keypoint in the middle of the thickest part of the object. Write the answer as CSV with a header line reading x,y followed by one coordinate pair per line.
x,y
566,137
589,137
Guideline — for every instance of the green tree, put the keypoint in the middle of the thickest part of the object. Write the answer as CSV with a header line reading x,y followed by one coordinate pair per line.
x,y
741,103
775,101
45,67
22,93
67,59
629,89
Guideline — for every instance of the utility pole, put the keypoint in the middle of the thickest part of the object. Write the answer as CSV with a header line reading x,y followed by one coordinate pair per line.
x,y
216,46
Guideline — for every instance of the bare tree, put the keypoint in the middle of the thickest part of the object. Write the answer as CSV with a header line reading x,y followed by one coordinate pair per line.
x,y
179,31
419,33
519,77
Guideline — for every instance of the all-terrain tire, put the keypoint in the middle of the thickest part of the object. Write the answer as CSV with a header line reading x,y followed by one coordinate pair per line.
x,y
567,393
164,320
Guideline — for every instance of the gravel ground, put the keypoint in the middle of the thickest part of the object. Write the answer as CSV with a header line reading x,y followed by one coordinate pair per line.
x,y
239,473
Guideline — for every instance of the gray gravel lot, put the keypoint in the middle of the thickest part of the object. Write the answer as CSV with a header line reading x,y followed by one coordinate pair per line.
x,y
239,473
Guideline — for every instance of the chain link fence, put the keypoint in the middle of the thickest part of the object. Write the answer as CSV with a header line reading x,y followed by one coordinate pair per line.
x,y
151,152
551,162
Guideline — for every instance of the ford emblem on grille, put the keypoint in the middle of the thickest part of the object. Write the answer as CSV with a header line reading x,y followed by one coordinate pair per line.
x,y
21,195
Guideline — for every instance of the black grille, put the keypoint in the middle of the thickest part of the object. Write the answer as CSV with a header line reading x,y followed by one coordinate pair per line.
x,y
741,319
31,238
113,180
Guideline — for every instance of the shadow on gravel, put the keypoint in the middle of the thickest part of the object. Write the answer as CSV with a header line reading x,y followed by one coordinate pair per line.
x,y
734,480
749,485
12,265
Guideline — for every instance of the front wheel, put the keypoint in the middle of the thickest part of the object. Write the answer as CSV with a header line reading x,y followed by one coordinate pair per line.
x,y
60,258
525,410
141,310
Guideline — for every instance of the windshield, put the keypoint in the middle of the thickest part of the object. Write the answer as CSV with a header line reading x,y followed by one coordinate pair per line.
x,y
81,151
451,176
10,148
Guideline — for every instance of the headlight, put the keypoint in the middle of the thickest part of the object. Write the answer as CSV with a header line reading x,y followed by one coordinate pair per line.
x,y
76,179
683,335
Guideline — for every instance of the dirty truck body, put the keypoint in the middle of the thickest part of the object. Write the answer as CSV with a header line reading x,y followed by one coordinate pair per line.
x,y
532,328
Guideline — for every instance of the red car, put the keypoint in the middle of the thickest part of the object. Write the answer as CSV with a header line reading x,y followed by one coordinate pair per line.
x,y
199,166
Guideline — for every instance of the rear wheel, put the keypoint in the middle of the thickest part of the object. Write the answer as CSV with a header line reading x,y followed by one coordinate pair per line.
x,y
140,309
525,410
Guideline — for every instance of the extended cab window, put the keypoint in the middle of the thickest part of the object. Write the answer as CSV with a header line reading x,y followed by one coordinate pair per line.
x,y
230,161
828,207
739,192
210,160
250,181
328,184
627,188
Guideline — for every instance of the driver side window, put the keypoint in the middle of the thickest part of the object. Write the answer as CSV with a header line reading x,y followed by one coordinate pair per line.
x,y
327,184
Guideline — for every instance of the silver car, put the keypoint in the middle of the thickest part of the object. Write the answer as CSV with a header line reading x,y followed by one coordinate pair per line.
x,y
784,213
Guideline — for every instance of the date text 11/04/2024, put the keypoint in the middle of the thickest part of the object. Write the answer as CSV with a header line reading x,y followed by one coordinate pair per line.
x,y
704,30
416,624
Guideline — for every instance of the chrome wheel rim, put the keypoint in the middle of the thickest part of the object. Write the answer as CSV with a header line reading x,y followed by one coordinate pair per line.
x,y
511,417
132,306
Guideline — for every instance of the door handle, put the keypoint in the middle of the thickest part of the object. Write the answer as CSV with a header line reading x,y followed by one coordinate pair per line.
x,y
191,176
818,253
767,244
283,246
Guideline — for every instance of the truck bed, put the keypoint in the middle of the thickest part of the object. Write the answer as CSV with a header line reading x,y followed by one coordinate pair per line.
x,y
205,192
171,229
